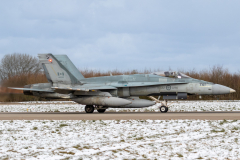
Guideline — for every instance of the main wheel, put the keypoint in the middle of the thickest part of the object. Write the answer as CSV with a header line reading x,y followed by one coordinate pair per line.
x,y
101,110
163,109
89,109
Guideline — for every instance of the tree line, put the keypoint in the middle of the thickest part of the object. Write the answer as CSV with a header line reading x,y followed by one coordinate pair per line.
x,y
17,70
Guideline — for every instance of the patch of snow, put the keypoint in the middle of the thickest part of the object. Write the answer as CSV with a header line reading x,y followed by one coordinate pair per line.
x,y
124,139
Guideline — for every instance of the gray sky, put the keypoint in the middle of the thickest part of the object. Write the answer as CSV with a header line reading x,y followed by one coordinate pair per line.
x,y
125,34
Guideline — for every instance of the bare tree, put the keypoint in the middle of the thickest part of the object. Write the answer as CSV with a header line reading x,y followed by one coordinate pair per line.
x,y
17,64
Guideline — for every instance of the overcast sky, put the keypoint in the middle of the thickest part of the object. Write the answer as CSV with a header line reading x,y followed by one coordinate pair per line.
x,y
125,34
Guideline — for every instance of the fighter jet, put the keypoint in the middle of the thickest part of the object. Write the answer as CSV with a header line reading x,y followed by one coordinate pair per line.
x,y
120,91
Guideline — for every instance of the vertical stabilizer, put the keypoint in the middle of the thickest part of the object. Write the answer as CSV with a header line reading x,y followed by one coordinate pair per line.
x,y
55,71
66,62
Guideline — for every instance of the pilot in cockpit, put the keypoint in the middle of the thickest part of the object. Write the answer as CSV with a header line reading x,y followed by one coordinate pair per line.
x,y
171,74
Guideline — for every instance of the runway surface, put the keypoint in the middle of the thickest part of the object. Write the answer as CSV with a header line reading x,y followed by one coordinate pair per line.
x,y
119,115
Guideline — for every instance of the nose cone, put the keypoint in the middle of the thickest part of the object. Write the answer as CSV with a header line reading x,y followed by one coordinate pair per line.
x,y
220,89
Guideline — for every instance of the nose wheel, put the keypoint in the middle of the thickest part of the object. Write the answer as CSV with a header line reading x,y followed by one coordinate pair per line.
x,y
163,109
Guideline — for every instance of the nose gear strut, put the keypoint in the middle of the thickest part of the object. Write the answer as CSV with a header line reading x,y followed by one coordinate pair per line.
x,y
164,107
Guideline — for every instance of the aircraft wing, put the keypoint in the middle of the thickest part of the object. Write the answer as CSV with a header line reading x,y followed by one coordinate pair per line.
x,y
32,89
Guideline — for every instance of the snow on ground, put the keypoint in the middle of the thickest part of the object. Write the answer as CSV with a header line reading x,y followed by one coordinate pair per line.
x,y
68,106
124,139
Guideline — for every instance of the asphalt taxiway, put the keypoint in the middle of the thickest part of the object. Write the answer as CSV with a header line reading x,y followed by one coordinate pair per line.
x,y
119,115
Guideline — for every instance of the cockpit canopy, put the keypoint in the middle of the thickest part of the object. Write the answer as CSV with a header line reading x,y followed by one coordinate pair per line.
x,y
171,74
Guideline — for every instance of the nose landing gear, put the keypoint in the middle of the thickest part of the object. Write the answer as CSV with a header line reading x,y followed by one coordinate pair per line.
x,y
164,107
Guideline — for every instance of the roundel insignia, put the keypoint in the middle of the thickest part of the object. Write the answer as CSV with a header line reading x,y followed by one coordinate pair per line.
x,y
168,87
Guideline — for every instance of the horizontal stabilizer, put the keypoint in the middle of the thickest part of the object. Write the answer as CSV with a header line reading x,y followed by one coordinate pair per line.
x,y
31,89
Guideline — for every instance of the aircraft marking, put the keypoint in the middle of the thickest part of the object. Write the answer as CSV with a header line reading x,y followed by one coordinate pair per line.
x,y
168,87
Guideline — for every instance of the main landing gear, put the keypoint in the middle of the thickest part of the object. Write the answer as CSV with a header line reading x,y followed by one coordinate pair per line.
x,y
101,110
90,109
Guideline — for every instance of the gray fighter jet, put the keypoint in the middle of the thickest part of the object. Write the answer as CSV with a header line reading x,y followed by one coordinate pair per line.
x,y
121,91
